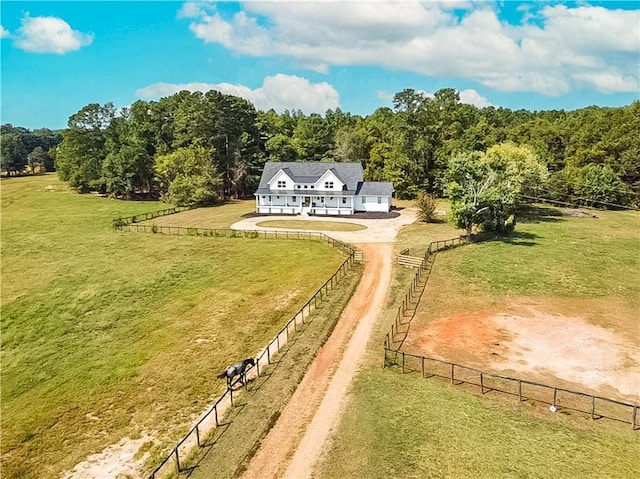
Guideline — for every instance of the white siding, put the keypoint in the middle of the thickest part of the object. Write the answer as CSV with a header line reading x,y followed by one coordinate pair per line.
x,y
329,182
280,179
373,203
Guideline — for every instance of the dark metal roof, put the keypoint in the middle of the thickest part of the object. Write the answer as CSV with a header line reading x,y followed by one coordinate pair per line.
x,y
309,172
375,188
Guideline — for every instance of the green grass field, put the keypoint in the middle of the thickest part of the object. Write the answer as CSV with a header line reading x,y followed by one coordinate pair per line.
x,y
402,426
109,334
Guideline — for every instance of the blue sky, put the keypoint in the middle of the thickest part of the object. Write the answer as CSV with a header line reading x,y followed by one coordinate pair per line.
x,y
60,56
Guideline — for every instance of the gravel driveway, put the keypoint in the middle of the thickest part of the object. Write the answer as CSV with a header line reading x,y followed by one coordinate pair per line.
x,y
378,230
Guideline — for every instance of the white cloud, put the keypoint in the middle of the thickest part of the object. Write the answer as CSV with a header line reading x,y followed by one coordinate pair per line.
x,y
384,95
472,97
4,33
49,35
607,82
279,92
555,50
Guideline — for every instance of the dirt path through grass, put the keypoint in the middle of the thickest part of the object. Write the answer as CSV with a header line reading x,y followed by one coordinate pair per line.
x,y
293,445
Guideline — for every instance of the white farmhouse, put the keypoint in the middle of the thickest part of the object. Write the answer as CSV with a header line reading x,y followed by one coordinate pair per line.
x,y
320,189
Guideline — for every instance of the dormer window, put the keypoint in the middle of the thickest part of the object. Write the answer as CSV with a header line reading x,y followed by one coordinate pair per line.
x,y
328,185
282,184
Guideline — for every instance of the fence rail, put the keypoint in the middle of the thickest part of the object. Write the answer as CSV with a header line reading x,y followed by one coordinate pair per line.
x,y
229,233
126,220
211,419
407,309
526,391
405,259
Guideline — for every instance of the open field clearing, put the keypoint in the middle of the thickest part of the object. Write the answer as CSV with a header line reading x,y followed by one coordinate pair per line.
x,y
108,335
404,426
312,225
558,303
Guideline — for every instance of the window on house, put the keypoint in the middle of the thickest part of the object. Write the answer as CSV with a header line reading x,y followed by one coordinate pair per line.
x,y
328,185
379,200
282,184
312,186
294,199
344,201
305,187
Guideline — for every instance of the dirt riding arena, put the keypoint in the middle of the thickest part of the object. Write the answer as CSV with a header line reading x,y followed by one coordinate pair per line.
x,y
587,345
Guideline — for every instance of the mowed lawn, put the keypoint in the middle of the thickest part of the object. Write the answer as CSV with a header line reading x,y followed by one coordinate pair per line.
x,y
108,334
403,426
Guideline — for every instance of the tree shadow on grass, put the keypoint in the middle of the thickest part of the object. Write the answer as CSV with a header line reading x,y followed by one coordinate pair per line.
x,y
539,214
518,238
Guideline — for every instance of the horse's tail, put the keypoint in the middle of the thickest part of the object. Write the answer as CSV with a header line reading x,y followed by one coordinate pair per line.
x,y
222,375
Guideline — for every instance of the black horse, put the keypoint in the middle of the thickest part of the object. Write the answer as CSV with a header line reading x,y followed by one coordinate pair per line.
x,y
237,369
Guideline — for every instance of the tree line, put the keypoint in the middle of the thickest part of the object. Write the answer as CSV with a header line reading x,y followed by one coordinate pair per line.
x,y
23,150
202,147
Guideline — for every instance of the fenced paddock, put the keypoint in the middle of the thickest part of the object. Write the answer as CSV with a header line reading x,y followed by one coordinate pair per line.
x,y
211,420
407,309
597,407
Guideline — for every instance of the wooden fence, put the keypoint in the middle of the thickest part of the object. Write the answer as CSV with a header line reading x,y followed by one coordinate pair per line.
x,y
149,216
407,309
526,391
404,259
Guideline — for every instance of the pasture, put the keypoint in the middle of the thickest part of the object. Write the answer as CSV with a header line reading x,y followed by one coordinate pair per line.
x,y
558,302
561,267
108,335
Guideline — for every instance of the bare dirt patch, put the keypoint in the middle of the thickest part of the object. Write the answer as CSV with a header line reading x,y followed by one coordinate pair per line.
x,y
575,343
118,460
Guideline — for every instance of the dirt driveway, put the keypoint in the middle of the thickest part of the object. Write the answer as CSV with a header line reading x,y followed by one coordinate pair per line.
x,y
293,445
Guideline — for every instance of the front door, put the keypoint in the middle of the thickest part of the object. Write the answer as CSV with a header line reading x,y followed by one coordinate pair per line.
x,y
307,201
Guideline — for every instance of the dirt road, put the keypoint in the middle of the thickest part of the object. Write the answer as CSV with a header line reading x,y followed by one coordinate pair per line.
x,y
293,445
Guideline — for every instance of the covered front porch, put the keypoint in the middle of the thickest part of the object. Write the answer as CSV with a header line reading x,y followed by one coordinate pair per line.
x,y
305,204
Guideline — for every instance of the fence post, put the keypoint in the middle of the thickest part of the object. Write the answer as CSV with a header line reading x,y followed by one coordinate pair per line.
x,y
384,361
452,372
269,354
555,396
215,414
593,407
198,436
633,417
520,390
482,382
423,366
231,393
177,460
402,362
